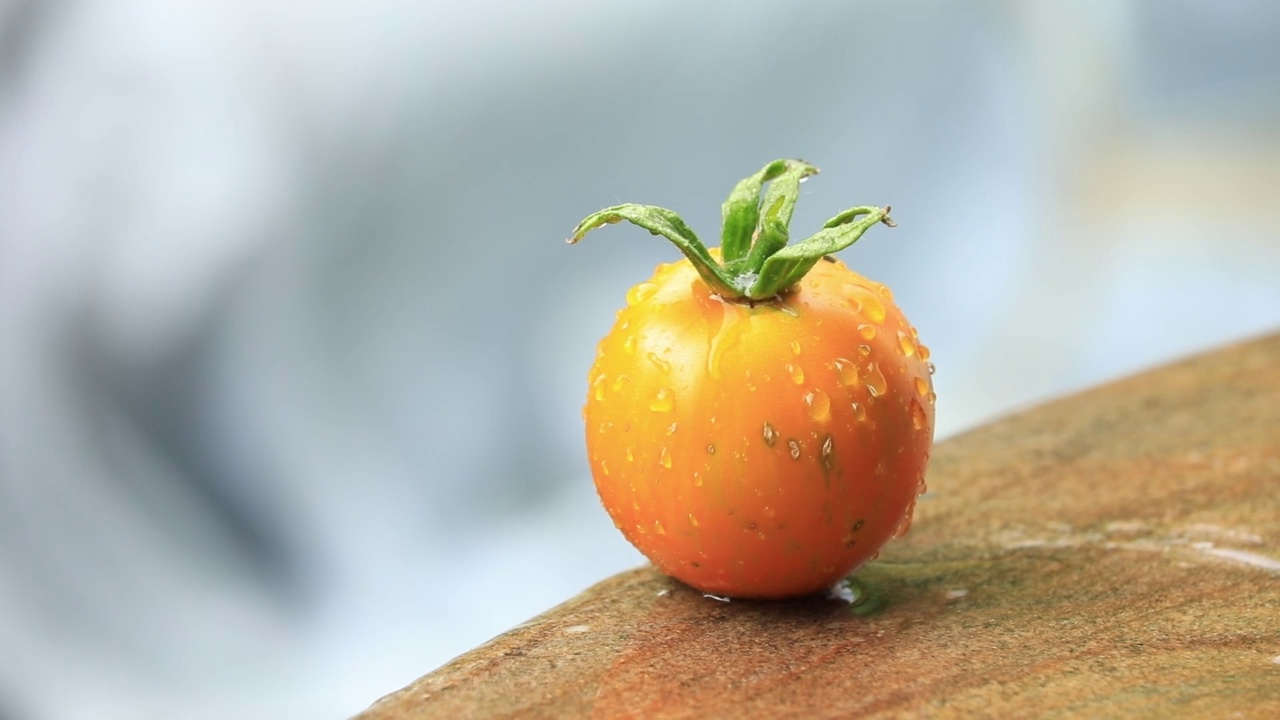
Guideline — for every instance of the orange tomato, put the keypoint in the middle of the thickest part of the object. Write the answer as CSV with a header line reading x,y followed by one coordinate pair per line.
x,y
760,449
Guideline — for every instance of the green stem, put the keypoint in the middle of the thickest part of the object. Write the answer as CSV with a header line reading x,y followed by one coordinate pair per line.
x,y
758,265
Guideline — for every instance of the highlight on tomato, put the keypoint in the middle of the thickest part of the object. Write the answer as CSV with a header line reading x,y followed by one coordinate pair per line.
x,y
759,418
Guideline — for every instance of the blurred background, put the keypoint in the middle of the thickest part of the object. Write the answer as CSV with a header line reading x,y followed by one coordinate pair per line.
x,y
292,352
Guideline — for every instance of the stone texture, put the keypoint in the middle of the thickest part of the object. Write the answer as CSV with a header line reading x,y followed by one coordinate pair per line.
x,y
1111,554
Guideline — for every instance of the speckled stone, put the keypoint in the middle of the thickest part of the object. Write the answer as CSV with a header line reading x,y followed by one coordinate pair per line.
x,y
1112,554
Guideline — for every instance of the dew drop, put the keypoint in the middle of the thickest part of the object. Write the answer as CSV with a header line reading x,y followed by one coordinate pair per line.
x,y
885,291
664,458
693,520
828,447
671,429
866,302
604,467
598,386
629,345
641,292
769,511
797,373
859,412
795,347
906,343
640,529
876,384
711,449
657,527
697,479
922,386
770,435
867,332
631,456
794,447
846,371
922,351
663,401
932,368
619,382
918,417
818,405
659,363
864,350
760,535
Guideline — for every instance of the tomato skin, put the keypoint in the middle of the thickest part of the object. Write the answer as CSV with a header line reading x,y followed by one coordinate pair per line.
x,y
760,451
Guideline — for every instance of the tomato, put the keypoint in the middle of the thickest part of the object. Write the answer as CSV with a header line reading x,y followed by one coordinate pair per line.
x,y
759,447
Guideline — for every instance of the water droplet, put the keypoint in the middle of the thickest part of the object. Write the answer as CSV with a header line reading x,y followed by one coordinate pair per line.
x,y
867,332
864,350
795,347
631,456
770,435
724,339
657,527
846,370
711,449
858,525
663,401
866,302
671,429
760,534
922,386
693,520
906,343
859,412
922,351
598,386
659,363
697,479
818,404
629,345
794,446
604,467
918,417
604,427
797,373
640,529
932,368
664,458
769,511
876,384
619,382
641,292
885,291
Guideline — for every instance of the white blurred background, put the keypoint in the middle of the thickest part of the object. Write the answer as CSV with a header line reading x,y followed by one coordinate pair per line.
x,y
292,352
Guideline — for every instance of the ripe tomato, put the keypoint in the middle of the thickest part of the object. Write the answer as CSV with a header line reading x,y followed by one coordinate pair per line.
x,y
759,447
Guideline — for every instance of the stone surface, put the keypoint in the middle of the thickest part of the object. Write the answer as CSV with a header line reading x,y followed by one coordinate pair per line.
x,y
1111,554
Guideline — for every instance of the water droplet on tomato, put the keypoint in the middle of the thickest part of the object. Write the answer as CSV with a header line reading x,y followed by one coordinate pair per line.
x,y
885,291
629,345
818,405
760,535
657,527
866,302
693,520
619,382
922,351
663,401
932,368
922,386
867,332
794,447
859,412
671,429
770,435
604,467
598,386
876,384
631,456
795,347
864,350
697,479
769,511
641,292
797,373
846,371
664,458
907,345
724,339
711,449
918,417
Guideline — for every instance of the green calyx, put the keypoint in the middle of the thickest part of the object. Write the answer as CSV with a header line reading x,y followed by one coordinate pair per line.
x,y
756,263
